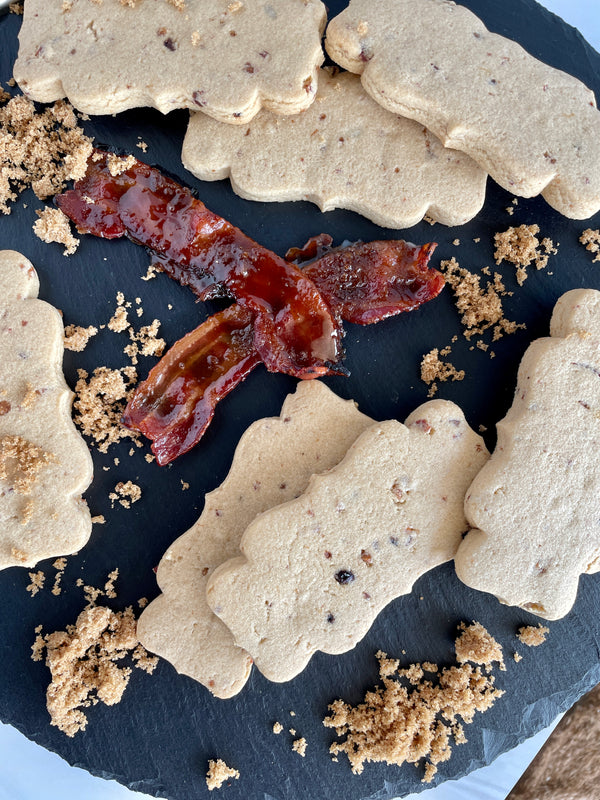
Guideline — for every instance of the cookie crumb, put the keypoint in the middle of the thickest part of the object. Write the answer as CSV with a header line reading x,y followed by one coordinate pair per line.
x,y
299,746
77,338
517,657
591,240
37,582
143,602
98,520
532,635
426,715
54,226
142,145
152,271
277,727
184,485
218,773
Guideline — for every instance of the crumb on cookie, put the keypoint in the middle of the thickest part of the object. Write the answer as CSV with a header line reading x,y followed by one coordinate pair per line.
x,y
533,635
218,773
21,462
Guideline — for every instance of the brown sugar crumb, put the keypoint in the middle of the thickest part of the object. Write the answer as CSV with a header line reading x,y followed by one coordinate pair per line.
x,y
196,38
152,271
118,322
59,565
533,636
117,165
20,462
54,226
299,746
397,724
475,644
184,485
142,660
480,308
178,4
31,396
591,240
16,8
218,773
126,494
37,582
520,246
20,555
77,338
433,370
143,602
145,342
82,662
277,727
517,657
142,145
428,219
39,150
109,586
98,520
100,402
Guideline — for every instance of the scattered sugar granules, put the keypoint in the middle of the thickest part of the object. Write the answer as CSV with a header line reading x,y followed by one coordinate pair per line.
x,y
433,369
37,582
218,773
532,635
126,494
77,337
100,401
41,150
410,718
520,246
480,307
591,240
54,226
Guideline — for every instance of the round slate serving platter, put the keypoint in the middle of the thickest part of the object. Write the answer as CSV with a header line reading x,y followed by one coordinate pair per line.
x,y
160,737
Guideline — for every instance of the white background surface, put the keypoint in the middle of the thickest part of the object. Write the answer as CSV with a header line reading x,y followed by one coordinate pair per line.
x,y
22,763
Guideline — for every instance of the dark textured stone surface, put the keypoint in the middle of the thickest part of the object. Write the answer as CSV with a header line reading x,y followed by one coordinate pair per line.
x,y
159,739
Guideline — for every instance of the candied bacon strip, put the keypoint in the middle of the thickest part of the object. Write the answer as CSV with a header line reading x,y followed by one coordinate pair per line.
x,y
174,406
294,329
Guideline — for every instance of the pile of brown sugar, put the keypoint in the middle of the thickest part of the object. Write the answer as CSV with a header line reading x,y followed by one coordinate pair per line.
x,y
99,404
83,663
532,635
42,150
218,773
21,462
521,247
409,718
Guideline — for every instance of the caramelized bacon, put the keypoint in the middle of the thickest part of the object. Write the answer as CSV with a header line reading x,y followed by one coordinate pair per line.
x,y
174,406
294,330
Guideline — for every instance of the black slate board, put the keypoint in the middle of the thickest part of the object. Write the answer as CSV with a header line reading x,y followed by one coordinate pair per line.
x,y
159,738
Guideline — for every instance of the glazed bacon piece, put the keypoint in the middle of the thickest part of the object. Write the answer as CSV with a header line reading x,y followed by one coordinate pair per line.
x,y
294,329
175,404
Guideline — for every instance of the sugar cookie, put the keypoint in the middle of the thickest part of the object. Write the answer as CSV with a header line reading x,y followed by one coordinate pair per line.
x,y
316,571
44,463
533,128
535,506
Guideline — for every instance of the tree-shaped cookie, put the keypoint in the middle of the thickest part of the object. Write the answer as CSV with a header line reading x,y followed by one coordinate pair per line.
x,y
535,506
227,58
535,129
315,571
44,463
345,151
273,462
